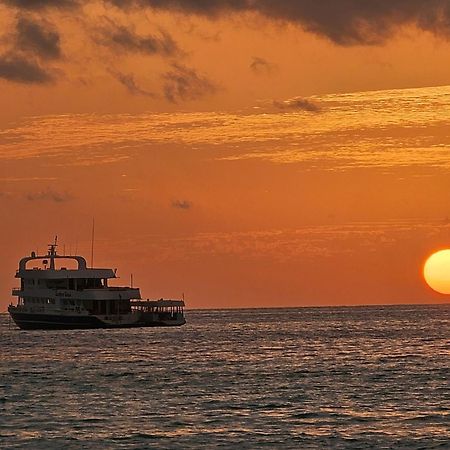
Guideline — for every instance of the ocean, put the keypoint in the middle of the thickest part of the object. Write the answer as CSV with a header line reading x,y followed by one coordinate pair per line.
x,y
341,377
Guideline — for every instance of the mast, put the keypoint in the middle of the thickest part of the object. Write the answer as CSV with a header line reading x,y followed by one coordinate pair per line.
x,y
92,243
52,253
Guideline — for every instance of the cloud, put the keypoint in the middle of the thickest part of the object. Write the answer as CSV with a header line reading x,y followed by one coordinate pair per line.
x,y
297,104
129,82
42,4
344,22
40,39
182,204
121,37
261,66
184,83
21,179
201,7
284,245
21,69
49,195
30,44
351,134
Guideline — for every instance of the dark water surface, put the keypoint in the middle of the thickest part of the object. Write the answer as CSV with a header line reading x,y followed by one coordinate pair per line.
x,y
369,377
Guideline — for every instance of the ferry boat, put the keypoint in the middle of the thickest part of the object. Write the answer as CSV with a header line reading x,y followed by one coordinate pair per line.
x,y
62,298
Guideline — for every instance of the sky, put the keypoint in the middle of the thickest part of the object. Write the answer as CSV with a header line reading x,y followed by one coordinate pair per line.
x,y
244,153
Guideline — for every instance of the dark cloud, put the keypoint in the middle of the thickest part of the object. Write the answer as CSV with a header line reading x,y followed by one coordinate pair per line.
x,y
130,83
297,104
345,22
182,204
49,195
42,4
124,38
38,38
260,65
23,70
202,7
184,83
31,43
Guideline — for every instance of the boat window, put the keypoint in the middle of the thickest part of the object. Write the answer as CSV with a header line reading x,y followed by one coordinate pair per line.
x,y
57,284
94,283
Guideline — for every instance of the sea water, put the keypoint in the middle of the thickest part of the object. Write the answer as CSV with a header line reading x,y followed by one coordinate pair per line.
x,y
353,377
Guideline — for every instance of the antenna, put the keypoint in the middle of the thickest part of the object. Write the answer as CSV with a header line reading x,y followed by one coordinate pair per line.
x,y
92,242
52,253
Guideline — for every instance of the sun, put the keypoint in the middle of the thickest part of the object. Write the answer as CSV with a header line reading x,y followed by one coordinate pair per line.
x,y
436,271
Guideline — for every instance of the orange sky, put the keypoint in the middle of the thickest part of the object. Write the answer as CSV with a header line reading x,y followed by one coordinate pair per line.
x,y
247,156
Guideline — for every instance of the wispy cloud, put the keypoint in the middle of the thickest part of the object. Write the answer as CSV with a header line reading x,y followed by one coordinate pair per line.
x,y
39,38
182,83
124,38
320,242
260,66
29,47
22,69
21,179
131,85
182,204
385,129
49,195
297,103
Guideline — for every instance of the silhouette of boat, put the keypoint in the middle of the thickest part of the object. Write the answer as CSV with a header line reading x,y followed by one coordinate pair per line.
x,y
62,298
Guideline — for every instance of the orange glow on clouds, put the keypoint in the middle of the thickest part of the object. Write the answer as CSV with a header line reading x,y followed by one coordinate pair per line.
x,y
234,157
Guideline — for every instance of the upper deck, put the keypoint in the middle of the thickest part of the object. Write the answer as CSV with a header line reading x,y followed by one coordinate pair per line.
x,y
49,270
46,280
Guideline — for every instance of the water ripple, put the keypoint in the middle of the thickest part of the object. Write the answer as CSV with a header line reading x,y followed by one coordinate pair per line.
x,y
372,377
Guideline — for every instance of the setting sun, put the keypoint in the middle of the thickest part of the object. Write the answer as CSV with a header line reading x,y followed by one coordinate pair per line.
x,y
437,271
224,223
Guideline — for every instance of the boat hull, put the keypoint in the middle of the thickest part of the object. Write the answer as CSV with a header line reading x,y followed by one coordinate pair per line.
x,y
34,321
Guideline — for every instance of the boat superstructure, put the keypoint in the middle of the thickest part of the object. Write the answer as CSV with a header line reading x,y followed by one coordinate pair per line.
x,y
51,297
